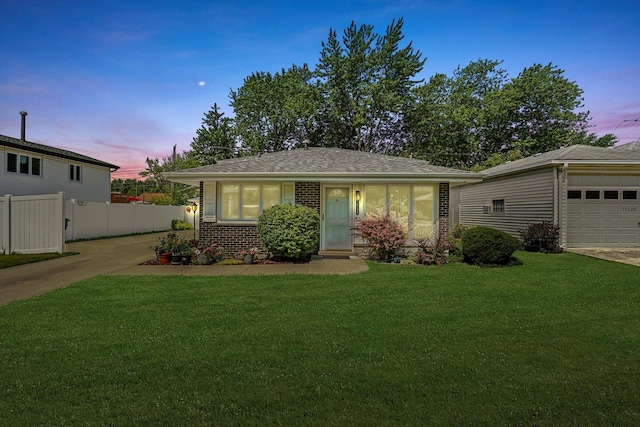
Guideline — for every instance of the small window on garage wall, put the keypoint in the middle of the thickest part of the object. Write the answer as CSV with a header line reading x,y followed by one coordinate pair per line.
x,y
592,194
611,194
630,195
497,206
574,194
209,202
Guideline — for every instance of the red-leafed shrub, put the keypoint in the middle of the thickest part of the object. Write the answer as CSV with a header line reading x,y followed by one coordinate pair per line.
x,y
383,235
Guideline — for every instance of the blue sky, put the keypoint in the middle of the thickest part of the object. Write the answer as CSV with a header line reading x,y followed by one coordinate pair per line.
x,y
125,80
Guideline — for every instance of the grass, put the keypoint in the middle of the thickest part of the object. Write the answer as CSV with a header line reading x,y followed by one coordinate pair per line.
x,y
553,342
12,260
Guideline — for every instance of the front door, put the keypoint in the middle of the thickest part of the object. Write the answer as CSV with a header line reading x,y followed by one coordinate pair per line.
x,y
337,221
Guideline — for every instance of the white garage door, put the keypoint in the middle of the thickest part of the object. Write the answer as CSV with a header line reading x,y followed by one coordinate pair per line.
x,y
603,217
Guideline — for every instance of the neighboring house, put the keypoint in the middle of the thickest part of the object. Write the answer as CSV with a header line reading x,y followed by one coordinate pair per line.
x,y
29,169
341,185
630,146
592,193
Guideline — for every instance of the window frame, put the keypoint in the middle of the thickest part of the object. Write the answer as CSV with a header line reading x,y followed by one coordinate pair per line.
x,y
24,164
221,202
498,207
366,209
75,172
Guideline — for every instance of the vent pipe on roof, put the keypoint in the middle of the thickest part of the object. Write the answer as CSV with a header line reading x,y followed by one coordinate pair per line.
x,y
23,125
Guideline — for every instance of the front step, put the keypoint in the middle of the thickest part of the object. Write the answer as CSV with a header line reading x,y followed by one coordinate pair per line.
x,y
336,254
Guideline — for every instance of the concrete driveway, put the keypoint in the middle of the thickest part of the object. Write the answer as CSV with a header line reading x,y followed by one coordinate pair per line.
x,y
123,256
624,255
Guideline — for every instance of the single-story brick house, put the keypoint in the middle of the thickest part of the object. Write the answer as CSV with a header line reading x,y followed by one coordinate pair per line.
x,y
590,192
341,185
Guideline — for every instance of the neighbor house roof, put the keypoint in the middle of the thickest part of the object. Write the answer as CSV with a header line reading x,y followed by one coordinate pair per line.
x,y
574,155
321,164
630,146
19,144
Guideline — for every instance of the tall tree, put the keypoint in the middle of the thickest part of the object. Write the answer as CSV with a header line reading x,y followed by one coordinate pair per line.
x,y
478,116
366,84
215,140
155,173
275,112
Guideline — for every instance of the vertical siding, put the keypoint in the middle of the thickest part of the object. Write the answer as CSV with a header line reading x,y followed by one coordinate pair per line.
x,y
37,224
528,197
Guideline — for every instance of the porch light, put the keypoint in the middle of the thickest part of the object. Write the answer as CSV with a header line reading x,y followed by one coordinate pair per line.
x,y
193,208
358,202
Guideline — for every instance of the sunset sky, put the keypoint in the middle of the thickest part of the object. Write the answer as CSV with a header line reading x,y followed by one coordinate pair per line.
x,y
124,80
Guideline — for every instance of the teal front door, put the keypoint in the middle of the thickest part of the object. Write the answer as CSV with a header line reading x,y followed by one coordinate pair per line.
x,y
337,221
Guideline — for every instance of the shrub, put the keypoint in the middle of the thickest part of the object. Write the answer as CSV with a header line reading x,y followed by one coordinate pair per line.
x,y
290,231
383,235
458,229
541,237
487,246
178,224
433,251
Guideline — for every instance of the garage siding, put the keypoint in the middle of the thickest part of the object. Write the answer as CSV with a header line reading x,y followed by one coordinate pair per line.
x,y
528,197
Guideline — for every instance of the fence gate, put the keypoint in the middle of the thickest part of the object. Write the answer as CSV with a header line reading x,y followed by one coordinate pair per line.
x,y
32,224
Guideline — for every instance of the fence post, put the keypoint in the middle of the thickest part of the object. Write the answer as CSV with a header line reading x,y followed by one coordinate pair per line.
x,y
60,221
6,225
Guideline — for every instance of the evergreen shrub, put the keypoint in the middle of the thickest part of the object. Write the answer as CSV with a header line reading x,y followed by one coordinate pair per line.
x,y
290,231
487,246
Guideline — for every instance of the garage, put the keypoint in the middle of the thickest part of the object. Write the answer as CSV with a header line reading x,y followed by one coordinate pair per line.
x,y
600,215
591,193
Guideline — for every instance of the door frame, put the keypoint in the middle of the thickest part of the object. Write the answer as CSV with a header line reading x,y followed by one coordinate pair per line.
x,y
323,207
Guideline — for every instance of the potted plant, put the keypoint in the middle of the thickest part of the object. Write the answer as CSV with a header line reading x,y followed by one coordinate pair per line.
x,y
164,248
248,255
210,253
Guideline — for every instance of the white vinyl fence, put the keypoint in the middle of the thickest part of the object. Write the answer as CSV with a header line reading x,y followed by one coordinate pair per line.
x,y
43,223
32,224
94,219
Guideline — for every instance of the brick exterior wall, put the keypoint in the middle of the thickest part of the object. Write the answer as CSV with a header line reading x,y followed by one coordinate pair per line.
x,y
443,207
237,237
308,194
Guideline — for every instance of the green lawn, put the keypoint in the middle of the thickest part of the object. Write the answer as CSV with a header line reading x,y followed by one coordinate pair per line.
x,y
553,342
19,259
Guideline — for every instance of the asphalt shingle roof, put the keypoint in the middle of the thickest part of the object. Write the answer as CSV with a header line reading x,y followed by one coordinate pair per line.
x,y
571,154
321,160
8,141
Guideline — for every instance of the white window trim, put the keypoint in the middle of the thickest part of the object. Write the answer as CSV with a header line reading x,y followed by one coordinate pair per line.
x,y
241,220
29,157
76,167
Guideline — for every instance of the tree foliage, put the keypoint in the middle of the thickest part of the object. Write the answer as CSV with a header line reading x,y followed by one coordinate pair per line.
x,y
155,173
275,112
365,83
215,140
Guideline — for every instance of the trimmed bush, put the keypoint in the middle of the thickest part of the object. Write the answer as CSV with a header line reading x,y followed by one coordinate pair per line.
x,y
383,234
541,237
290,231
488,246
178,224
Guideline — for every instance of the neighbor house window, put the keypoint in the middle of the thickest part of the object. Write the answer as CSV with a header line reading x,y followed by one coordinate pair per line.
x,y
75,173
497,206
24,164
247,201
413,205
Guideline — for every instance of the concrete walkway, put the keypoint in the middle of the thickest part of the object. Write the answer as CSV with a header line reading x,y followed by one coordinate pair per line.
x,y
123,256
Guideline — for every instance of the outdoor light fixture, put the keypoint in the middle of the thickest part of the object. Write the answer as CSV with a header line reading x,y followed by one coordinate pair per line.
x,y
193,208
357,202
